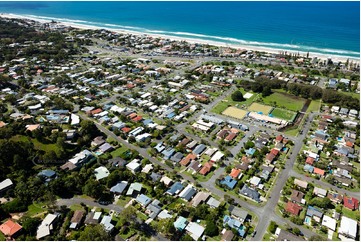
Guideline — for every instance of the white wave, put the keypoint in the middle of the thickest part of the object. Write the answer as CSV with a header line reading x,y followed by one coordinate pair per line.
x,y
207,37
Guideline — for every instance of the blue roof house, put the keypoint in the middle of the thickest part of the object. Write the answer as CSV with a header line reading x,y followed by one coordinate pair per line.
x,y
143,200
180,223
229,182
250,151
175,188
308,168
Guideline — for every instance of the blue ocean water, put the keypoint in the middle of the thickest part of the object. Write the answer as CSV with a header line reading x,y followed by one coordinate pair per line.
x,y
331,28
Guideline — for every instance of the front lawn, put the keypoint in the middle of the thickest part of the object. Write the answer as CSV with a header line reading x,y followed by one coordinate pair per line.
x,y
35,209
118,152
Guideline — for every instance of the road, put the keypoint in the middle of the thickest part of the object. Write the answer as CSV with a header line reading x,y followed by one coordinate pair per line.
x,y
269,209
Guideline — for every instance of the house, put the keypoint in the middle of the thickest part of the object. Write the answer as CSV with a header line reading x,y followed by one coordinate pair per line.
x,y
46,226
199,149
164,215
350,202
335,197
147,168
195,166
10,228
78,160
101,172
93,218
297,196
105,147
234,224
117,162
188,193
166,180
186,160
293,208
227,235
206,168
318,171
134,189
270,157
251,193
143,200
180,223
5,185
177,157
213,203
314,213
153,209
155,177
229,182
106,222
159,147
119,188
310,160
320,192
348,228
302,184
329,222
168,153
278,139
134,166
194,230
175,188
284,235
308,168
250,152
332,83
199,197
235,173
75,221
240,214
255,181
47,174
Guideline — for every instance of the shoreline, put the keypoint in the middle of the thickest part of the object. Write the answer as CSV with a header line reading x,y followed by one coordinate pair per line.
x,y
302,54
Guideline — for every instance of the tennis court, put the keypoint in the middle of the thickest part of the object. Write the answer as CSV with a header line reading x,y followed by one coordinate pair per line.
x,y
256,107
235,112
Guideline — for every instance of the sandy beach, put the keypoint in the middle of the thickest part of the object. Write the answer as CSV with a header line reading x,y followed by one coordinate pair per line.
x,y
189,40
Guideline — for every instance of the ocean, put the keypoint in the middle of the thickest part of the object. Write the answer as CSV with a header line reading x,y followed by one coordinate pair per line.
x,y
328,28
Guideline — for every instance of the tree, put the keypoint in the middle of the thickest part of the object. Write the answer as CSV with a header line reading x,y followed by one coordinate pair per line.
x,y
128,214
296,220
211,228
30,225
94,233
266,91
166,227
237,96
316,238
296,231
272,227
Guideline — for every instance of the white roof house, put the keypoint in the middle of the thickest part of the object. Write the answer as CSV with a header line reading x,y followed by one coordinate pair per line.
x,y
5,184
46,226
320,192
217,156
348,227
255,181
106,222
133,166
101,172
75,120
329,222
194,230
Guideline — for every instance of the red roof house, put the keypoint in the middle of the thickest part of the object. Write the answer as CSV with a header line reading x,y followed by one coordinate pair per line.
x,y
279,138
235,173
350,202
10,228
274,152
319,171
293,208
206,168
310,160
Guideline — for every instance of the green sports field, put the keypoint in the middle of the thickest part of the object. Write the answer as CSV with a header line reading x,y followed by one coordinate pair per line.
x,y
284,100
283,114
